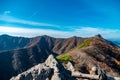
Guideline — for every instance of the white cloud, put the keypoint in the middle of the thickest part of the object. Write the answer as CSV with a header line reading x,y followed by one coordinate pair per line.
x,y
26,32
11,19
82,32
90,31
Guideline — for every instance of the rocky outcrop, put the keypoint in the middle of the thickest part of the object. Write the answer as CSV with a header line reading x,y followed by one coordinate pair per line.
x,y
51,69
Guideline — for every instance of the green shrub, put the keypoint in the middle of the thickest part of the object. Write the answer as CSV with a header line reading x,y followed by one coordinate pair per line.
x,y
64,57
86,43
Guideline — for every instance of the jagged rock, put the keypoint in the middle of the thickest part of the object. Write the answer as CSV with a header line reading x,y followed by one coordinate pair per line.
x,y
56,76
52,63
38,72
50,70
93,70
70,67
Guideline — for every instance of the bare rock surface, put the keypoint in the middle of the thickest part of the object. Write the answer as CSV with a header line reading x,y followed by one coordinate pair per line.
x,y
51,69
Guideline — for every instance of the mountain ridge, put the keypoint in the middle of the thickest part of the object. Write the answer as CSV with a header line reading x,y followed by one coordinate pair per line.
x,y
37,49
97,52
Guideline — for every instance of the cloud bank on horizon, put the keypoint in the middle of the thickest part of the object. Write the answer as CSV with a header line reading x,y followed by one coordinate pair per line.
x,y
82,32
60,18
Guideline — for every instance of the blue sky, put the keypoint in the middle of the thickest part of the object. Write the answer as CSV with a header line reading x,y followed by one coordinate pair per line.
x,y
60,18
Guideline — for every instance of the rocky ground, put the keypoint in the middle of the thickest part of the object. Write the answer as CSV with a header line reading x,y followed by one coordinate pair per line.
x,y
52,69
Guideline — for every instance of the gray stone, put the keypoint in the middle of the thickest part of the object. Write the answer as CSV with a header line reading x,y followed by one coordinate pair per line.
x,y
51,69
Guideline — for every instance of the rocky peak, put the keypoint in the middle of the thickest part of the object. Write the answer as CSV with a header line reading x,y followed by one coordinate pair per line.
x,y
52,63
51,69
98,36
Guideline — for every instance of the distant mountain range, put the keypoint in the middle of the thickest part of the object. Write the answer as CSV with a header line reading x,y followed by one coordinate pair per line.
x,y
17,54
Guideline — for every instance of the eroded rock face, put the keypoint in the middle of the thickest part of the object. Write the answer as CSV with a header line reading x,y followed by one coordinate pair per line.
x,y
38,72
50,70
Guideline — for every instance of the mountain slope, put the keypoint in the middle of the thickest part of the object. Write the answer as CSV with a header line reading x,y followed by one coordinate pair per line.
x,y
32,53
8,42
84,52
96,51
